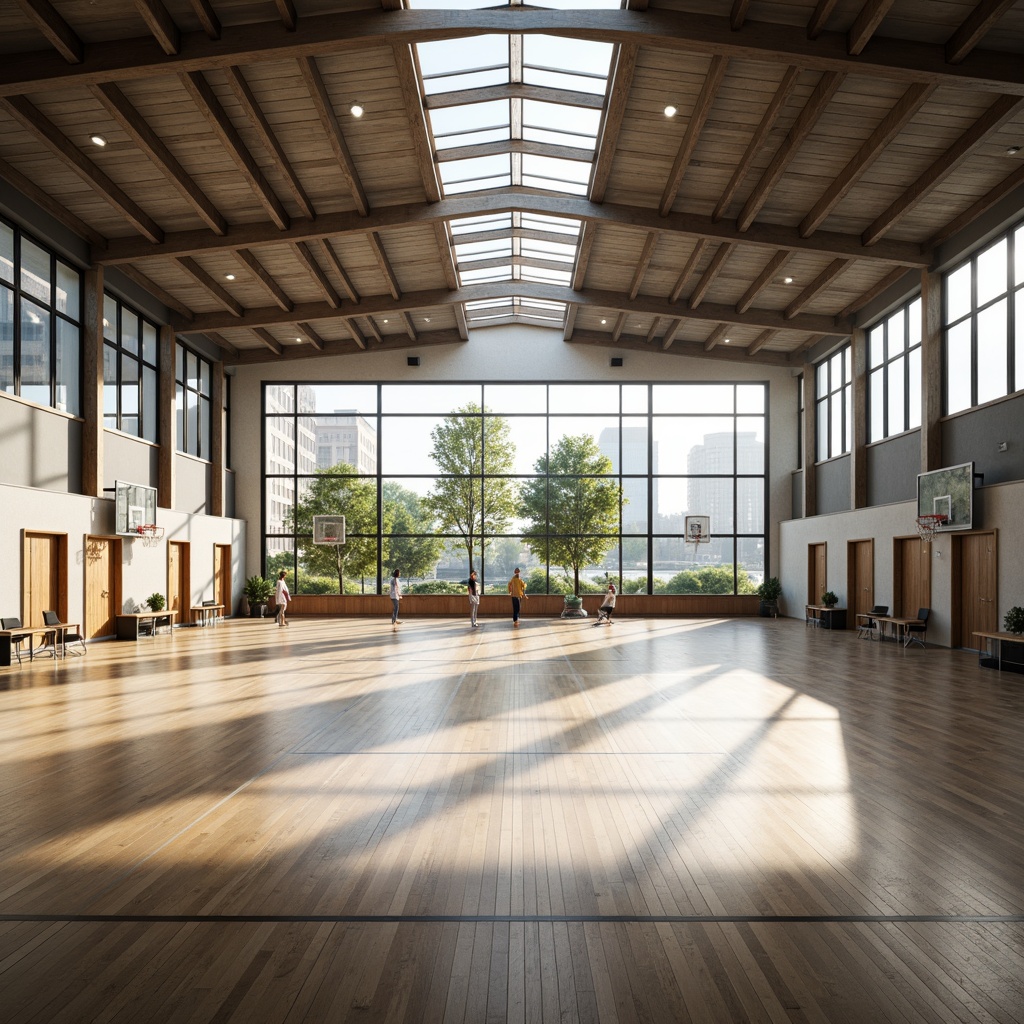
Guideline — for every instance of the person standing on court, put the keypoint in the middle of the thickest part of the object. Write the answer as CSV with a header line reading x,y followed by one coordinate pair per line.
x,y
281,598
517,588
396,596
473,590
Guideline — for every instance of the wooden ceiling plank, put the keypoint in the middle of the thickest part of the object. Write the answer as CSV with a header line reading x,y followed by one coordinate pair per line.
x,y
802,127
329,119
757,140
584,247
820,17
891,125
738,14
312,337
222,343
259,272
726,353
137,128
444,253
271,143
51,136
872,293
822,281
286,12
27,187
373,305
185,313
974,27
866,23
204,11
715,337
334,262
1009,184
619,90
353,328
707,279
413,106
55,29
695,125
1001,111
759,342
676,31
161,24
209,106
209,284
347,223
670,334
688,268
644,262
306,258
269,340
384,264
773,266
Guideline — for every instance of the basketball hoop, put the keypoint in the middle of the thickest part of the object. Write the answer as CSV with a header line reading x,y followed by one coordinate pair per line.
x,y
698,531
929,525
150,534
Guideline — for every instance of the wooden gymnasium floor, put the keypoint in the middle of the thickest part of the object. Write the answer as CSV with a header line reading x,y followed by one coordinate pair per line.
x,y
661,820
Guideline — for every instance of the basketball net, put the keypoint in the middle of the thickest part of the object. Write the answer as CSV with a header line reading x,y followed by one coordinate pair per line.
x,y
928,526
150,534
695,538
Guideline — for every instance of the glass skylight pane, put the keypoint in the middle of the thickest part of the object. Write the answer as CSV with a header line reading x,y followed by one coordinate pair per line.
x,y
466,80
562,63
541,223
471,5
487,274
556,122
548,250
543,304
470,124
562,5
545,276
483,250
485,222
454,56
546,172
477,173
489,303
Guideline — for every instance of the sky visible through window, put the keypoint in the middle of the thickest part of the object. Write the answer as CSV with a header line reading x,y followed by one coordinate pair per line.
x,y
506,139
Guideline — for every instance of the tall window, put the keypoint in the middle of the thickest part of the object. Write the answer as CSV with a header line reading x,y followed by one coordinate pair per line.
x,y
129,370
894,373
834,404
192,390
40,323
800,408
436,478
984,324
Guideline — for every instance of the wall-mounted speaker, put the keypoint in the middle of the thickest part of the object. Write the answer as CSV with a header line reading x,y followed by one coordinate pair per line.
x,y
616,360
412,360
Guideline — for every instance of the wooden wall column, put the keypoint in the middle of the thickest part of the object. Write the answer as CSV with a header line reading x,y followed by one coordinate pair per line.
x,y
167,426
810,442
931,372
218,453
859,435
92,383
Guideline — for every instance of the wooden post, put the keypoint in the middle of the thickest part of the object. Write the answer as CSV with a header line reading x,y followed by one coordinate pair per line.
x,y
92,383
217,435
931,371
810,442
859,436
167,427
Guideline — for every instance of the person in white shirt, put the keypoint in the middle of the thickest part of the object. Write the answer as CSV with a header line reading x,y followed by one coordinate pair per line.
x,y
396,596
281,598
604,613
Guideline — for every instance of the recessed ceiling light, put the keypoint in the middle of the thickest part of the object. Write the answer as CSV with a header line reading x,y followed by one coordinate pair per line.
x,y
97,140
727,340
787,280
426,319
604,321
229,277
1013,150
671,111
356,110
385,321
299,340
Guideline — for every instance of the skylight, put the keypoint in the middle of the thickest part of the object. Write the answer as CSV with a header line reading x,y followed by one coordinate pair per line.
x,y
492,128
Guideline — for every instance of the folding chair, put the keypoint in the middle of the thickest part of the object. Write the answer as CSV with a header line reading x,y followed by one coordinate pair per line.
x,y
53,619
16,641
916,632
868,628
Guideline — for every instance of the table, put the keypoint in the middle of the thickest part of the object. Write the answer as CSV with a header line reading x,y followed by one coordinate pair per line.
x,y
864,631
824,616
1000,639
60,632
128,623
899,625
206,614
8,636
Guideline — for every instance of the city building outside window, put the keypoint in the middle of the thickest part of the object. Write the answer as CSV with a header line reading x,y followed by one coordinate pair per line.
x,y
193,377
834,404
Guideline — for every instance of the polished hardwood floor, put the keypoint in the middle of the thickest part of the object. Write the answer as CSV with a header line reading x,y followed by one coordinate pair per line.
x,y
661,820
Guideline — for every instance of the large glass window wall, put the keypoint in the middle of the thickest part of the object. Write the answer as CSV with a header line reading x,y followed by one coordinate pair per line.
x,y
577,484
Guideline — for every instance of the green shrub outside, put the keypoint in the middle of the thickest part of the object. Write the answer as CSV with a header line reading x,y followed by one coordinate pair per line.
x,y
437,587
713,579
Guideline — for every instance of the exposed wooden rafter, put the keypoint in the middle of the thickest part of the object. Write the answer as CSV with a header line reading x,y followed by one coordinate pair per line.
x,y
161,24
57,31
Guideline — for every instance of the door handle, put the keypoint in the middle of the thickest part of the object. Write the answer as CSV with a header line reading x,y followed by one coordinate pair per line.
x,y
103,593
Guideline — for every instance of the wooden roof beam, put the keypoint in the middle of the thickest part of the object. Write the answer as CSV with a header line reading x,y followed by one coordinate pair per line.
x,y
645,261
161,24
584,247
986,202
306,258
688,268
207,282
207,18
444,253
384,264
222,343
267,135
269,340
286,12
185,313
714,268
772,267
759,342
258,271
334,262
619,82
715,337
1001,111
460,321
209,106
974,28
802,127
50,135
738,14
312,337
353,329
873,292
413,106
891,125
329,119
58,33
138,129
670,334
866,23
694,126
820,17
819,284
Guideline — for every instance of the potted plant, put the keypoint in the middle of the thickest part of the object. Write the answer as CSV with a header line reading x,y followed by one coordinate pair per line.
x,y
258,591
155,602
829,599
1013,621
769,592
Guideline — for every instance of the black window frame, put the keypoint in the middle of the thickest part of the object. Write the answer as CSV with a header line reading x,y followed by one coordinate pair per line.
x,y
149,369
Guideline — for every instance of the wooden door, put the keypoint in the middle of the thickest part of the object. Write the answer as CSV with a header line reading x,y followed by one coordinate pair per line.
x,y
179,588
102,585
222,576
974,588
912,575
860,579
817,577
44,580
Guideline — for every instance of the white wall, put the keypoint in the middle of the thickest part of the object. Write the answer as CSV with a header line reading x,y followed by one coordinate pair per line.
x,y
509,353
998,507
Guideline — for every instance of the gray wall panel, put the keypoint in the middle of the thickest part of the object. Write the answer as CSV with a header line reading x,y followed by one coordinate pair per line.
x,y
834,485
893,466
